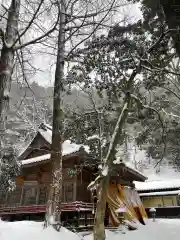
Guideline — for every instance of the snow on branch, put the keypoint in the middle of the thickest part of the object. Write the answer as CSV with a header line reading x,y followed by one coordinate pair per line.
x,y
170,114
105,171
93,137
116,131
94,183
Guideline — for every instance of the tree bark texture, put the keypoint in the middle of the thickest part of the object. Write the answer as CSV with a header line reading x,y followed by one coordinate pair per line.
x,y
6,64
55,195
99,229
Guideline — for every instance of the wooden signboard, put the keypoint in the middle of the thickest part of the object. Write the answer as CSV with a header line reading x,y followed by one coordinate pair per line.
x,y
19,180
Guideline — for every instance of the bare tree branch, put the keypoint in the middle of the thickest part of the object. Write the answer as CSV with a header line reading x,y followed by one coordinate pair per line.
x,y
30,22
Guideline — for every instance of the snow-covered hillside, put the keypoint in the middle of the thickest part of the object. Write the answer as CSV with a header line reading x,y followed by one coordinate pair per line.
x,y
139,161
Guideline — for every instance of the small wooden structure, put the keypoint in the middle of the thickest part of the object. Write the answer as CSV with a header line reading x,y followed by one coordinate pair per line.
x,y
28,200
163,195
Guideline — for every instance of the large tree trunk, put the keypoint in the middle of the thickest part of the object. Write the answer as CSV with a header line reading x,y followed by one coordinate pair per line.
x,y
99,231
53,215
6,64
172,14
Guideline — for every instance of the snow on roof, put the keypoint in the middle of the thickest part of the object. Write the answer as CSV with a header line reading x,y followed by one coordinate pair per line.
x,y
46,132
67,148
130,165
177,192
36,159
156,185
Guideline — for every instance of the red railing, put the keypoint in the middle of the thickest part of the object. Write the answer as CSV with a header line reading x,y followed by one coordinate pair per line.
x,y
74,206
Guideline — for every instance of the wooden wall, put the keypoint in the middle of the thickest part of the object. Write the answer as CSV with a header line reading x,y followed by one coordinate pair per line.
x,y
42,175
83,180
159,201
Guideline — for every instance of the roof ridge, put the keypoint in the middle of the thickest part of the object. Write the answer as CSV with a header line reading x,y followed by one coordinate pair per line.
x,y
45,126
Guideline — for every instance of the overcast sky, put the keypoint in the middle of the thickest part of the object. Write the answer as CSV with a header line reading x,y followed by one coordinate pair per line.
x,y
46,63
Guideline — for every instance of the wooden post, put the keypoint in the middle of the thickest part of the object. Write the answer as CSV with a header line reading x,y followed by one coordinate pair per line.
x,y
163,201
75,190
85,223
6,201
37,195
22,192
81,174
78,215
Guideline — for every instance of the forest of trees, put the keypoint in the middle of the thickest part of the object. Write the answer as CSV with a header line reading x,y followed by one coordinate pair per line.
x,y
116,80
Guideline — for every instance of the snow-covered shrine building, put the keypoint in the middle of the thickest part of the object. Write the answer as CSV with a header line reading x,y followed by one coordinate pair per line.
x,y
164,195
28,200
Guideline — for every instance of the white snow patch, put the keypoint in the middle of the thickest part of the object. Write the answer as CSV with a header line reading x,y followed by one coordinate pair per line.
x,y
47,134
154,185
69,147
105,171
36,159
91,186
33,230
93,137
100,166
166,172
51,220
163,229
164,193
152,210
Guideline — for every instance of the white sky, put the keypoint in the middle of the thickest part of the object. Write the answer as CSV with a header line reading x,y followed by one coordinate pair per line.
x,y
46,63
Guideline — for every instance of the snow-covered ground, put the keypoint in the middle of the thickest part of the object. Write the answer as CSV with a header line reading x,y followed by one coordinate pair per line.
x,y
163,229
29,230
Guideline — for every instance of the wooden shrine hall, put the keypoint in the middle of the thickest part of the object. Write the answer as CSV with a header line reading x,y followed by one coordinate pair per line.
x,y
28,200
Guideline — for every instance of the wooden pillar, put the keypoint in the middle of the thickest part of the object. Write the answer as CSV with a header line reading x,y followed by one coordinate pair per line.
x,y
76,219
37,196
85,222
163,201
81,175
75,190
22,193
6,201
78,216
